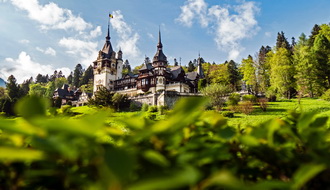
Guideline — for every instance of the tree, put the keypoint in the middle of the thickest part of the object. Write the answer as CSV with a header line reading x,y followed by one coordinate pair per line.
x,y
321,50
191,66
306,70
282,42
219,74
263,69
217,94
176,62
102,97
13,89
77,74
281,72
234,75
38,90
248,71
24,87
116,100
88,74
70,78
2,92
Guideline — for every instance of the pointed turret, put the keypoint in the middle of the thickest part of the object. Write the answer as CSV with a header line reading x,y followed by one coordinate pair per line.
x,y
159,56
107,48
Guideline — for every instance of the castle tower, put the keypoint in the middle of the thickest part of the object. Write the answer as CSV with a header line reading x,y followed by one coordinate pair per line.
x,y
107,68
200,71
160,63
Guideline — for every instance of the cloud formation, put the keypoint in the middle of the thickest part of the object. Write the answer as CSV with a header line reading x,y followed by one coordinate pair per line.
x,y
84,51
51,16
47,51
128,38
229,24
24,67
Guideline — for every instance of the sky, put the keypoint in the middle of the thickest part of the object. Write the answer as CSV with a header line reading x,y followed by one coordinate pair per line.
x,y
40,36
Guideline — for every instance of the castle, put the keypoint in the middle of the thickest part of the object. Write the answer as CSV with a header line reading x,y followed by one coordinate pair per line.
x,y
156,83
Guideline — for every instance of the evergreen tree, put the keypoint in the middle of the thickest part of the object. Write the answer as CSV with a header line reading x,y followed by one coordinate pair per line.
x,y
70,78
282,42
24,87
88,74
77,75
13,89
262,69
321,50
315,31
102,97
306,70
176,62
191,66
234,75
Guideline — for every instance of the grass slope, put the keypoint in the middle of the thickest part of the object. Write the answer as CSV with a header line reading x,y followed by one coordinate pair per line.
x,y
280,109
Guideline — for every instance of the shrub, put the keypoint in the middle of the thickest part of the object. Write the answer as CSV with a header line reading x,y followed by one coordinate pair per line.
x,y
144,107
326,95
250,97
229,114
161,110
246,107
233,99
263,103
66,109
152,109
134,106
151,116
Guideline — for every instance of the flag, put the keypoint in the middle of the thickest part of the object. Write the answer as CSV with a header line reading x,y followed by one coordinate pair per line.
x,y
110,15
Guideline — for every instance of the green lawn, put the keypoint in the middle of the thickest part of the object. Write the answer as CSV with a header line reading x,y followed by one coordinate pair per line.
x,y
280,109
275,110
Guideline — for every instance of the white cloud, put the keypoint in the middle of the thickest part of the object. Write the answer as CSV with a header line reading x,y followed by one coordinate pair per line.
x,y
151,36
24,67
192,9
51,16
84,51
48,51
268,34
24,41
128,38
229,24
96,32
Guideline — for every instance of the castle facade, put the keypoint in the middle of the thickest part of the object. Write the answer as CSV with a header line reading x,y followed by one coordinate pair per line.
x,y
156,83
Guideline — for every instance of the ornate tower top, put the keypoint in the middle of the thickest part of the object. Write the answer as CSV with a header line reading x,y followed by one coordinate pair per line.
x,y
159,56
107,48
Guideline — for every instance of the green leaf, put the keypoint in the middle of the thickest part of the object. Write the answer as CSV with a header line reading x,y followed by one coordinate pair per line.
x,y
176,179
305,173
156,158
19,154
224,179
319,122
31,106
119,162
249,140
227,133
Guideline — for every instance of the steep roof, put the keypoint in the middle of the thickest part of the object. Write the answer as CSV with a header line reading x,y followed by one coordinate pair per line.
x,y
175,71
159,56
146,66
107,48
192,75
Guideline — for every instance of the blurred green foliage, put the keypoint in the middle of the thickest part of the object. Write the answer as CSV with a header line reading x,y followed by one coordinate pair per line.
x,y
190,149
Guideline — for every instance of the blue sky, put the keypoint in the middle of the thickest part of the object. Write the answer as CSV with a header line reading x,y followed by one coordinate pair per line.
x,y
39,36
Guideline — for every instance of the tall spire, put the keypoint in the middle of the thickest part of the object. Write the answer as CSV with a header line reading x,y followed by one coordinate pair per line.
x,y
160,45
107,48
200,71
159,56
108,35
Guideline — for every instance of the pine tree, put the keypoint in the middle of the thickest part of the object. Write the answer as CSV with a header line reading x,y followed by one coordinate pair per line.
x,y
77,74
88,74
234,75
13,89
282,42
